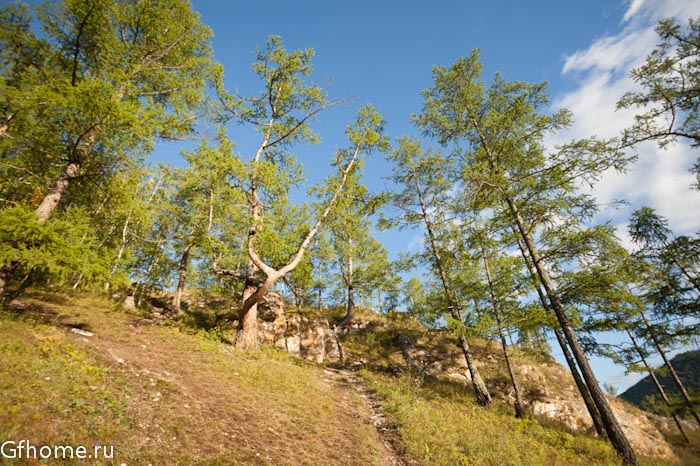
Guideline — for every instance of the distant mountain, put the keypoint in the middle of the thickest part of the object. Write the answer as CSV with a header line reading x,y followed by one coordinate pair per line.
x,y
687,365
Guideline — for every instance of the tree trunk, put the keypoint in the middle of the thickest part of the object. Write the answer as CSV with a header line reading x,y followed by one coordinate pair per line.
x,y
50,201
672,371
659,388
350,280
182,277
612,427
519,405
483,397
580,384
247,335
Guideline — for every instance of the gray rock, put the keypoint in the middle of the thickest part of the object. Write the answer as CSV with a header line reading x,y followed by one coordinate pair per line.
x,y
271,307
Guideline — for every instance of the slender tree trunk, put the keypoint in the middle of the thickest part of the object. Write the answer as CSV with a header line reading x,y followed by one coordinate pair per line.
x,y
350,282
580,384
671,370
483,397
519,405
659,388
298,297
615,433
182,278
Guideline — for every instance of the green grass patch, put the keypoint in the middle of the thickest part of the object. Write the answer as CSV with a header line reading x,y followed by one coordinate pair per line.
x,y
440,424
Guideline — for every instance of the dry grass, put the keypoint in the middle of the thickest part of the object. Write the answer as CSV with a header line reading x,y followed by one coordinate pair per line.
x,y
171,394
163,396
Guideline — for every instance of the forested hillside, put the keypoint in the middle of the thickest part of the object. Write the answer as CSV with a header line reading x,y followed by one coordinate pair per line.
x,y
645,395
512,245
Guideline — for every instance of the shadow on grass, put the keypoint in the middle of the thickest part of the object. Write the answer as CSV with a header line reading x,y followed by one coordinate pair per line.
x,y
42,314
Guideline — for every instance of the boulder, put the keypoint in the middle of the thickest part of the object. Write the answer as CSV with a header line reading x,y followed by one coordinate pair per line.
x,y
271,306
295,333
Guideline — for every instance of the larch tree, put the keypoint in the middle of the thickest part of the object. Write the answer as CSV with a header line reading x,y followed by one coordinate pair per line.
x,y
423,181
498,271
499,132
361,260
282,113
91,94
669,100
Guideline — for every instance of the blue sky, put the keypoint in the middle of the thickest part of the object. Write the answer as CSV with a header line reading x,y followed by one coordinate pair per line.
x,y
382,52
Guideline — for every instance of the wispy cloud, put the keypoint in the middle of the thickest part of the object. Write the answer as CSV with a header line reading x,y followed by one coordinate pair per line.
x,y
660,178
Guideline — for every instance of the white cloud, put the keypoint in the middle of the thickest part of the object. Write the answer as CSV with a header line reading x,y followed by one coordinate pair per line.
x,y
660,178
618,53
635,5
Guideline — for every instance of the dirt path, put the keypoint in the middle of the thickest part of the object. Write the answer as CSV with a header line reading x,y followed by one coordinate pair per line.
x,y
226,411
387,433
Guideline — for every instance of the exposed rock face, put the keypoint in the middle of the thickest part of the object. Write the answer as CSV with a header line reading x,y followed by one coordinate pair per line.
x,y
311,339
271,306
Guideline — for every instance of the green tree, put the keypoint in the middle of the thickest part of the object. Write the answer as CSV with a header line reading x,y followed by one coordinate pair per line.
x,y
362,261
676,261
541,319
89,96
670,95
207,195
424,183
499,132
281,114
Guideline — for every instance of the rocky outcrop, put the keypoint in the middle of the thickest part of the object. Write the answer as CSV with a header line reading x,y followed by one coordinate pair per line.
x,y
311,339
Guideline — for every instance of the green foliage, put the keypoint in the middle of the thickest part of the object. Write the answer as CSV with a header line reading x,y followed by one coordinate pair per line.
x,y
87,88
107,79
51,250
671,266
670,79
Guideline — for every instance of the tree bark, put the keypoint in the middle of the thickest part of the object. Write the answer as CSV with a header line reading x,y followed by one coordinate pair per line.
x,y
50,201
580,384
182,278
247,335
483,397
519,405
615,433
659,388
350,282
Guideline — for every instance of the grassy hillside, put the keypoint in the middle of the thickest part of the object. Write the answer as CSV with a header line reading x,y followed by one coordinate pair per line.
x,y
169,394
164,395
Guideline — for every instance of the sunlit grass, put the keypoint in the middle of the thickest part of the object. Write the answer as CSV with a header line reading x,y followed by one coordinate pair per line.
x,y
440,424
